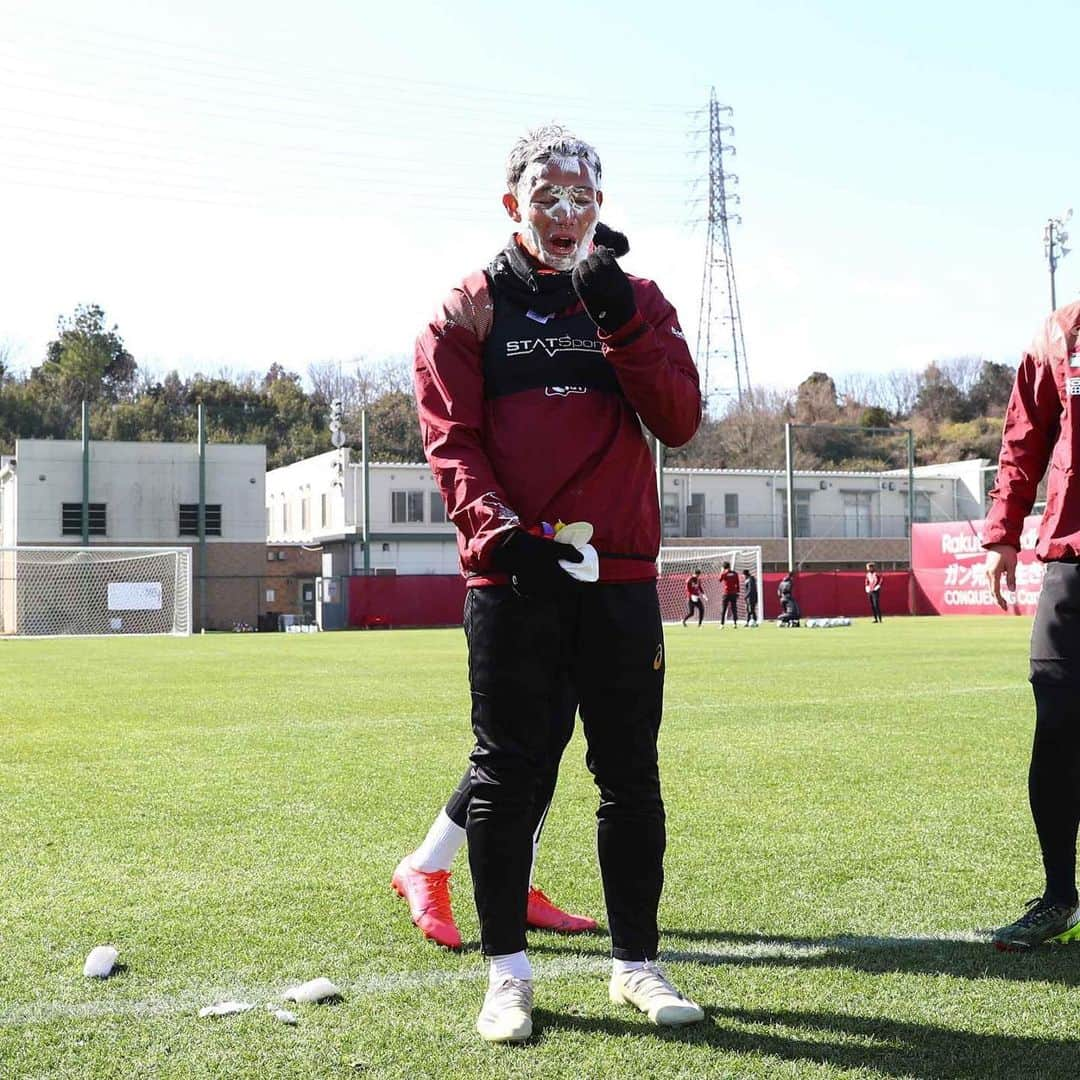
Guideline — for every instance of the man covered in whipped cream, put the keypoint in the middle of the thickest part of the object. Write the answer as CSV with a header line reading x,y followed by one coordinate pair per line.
x,y
533,382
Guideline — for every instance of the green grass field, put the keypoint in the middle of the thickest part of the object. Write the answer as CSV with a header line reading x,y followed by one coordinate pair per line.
x,y
847,815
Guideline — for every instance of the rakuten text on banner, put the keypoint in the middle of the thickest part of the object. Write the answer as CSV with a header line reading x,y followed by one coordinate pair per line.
x,y
947,561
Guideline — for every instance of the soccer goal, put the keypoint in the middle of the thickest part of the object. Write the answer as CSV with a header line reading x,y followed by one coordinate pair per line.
x,y
107,591
676,564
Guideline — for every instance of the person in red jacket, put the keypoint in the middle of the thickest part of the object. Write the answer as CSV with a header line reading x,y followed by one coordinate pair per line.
x,y
729,600
873,590
533,382
1041,428
695,598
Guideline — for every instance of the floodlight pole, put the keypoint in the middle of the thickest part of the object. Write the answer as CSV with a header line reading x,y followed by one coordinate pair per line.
x,y
365,464
202,516
84,528
789,509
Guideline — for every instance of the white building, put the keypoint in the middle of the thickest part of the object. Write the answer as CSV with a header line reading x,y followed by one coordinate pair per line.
x,y
320,501
842,518
147,494
140,493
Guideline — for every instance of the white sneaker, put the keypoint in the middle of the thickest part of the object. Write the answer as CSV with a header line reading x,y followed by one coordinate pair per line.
x,y
507,1012
651,991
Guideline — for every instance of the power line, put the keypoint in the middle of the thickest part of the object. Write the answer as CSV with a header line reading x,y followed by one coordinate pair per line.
x,y
150,47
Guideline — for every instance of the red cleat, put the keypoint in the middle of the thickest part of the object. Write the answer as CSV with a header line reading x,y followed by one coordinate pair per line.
x,y
542,914
428,897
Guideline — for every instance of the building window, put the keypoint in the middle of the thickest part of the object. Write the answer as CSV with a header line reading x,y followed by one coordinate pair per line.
x,y
922,506
802,513
285,522
438,509
189,519
71,519
305,514
324,510
406,506
731,511
858,515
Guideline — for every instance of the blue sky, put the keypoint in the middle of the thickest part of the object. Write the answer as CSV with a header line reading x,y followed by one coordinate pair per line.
x,y
241,183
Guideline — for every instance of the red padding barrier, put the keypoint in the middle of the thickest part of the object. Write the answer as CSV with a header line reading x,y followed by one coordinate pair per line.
x,y
438,599
828,593
406,600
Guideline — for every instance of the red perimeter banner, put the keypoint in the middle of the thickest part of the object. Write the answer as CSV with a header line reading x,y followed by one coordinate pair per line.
x,y
947,561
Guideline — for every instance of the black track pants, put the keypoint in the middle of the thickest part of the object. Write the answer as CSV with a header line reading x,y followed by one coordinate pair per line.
x,y
606,641
691,606
729,602
1054,775
875,604
562,728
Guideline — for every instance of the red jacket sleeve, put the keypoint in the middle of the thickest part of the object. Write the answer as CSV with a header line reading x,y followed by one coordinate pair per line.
x,y
654,367
1027,440
448,375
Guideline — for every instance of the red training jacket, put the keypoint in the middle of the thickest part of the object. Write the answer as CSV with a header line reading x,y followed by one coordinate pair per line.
x,y
730,580
693,588
1041,427
526,457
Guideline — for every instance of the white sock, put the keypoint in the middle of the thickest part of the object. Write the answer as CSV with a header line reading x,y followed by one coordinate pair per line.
x,y
443,841
624,967
513,965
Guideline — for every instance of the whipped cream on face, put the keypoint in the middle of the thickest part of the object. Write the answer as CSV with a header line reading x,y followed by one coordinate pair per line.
x,y
571,203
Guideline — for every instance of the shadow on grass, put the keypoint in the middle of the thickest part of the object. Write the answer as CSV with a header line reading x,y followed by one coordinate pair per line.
x,y
888,1047
880,955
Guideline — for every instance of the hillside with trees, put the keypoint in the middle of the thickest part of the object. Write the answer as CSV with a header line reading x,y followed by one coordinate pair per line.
x,y
955,407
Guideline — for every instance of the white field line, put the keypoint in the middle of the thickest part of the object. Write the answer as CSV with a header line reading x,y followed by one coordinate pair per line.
x,y
190,1001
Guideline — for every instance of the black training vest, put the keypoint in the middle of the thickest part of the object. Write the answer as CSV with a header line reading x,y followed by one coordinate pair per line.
x,y
560,353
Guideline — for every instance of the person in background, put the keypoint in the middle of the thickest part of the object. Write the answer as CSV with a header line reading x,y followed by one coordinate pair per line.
x,y
1041,429
695,598
873,590
729,600
750,597
789,608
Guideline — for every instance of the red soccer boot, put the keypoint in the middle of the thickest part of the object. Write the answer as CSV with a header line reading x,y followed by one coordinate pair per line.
x,y
542,914
428,897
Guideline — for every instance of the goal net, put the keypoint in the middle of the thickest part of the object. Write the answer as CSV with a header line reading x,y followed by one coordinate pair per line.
x,y
63,591
676,564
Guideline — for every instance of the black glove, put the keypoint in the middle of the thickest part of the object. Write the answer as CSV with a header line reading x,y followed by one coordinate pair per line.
x,y
533,563
606,236
605,290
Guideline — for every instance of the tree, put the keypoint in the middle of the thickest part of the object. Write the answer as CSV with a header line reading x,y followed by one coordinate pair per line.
x,y
393,428
939,398
816,400
88,361
990,392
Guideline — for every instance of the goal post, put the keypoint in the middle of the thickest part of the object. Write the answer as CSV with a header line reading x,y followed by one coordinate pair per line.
x,y
676,564
94,591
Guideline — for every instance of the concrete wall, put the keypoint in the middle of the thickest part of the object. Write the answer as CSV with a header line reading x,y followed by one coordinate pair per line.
x,y
142,486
